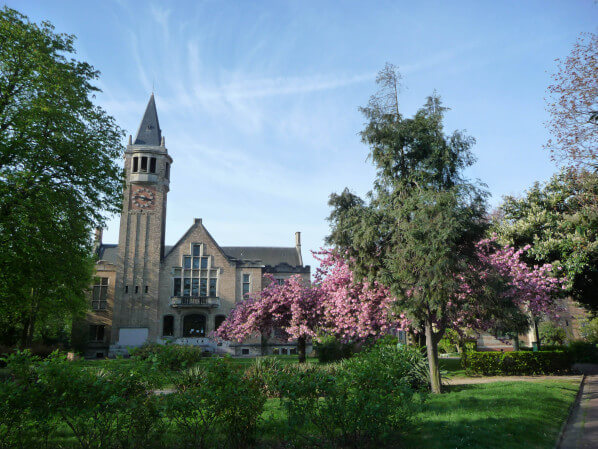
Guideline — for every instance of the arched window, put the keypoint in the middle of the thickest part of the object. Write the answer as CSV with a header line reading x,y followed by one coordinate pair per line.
x,y
168,326
194,326
218,321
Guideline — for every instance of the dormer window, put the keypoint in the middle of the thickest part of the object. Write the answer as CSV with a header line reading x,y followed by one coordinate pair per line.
x,y
135,164
144,164
153,165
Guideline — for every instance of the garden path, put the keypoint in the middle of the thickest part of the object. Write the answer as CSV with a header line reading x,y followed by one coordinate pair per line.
x,y
581,431
490,379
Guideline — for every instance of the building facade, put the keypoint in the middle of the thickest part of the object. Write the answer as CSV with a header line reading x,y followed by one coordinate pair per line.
x,y
146,291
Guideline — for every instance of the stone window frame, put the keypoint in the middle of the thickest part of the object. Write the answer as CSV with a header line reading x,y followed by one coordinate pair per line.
x,y
99,293
97,332
181,274
246,284
144,164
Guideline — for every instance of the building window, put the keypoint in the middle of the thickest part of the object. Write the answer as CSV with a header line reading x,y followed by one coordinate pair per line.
x,y
99,300
246,284
137,289
96,332
194,325
147,289
280,281
218,320
168,326
167,171
126,289
245,351
152,165
135,165
144,164
197,275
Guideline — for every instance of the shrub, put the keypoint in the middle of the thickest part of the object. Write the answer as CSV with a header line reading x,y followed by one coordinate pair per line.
x,y
446,346
589,330
362,402
213,400
330,349
264,371
551,334
170,356
24,422
518,363
103,409
583,352
370,399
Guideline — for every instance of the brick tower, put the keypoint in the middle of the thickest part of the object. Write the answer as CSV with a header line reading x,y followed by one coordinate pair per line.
x,y
141,236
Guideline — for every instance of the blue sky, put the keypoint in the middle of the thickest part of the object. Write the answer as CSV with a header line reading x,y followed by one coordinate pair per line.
x,y
259,100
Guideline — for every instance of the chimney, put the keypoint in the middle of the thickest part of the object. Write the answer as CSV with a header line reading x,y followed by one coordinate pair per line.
x,y
298,246
97,241
130,139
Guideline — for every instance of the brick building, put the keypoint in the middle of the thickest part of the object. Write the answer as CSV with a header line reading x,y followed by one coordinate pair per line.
x,y
146,291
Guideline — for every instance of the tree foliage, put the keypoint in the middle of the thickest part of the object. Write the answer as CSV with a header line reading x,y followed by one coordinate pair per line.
x,y
58,174
573,106
559,222
416,234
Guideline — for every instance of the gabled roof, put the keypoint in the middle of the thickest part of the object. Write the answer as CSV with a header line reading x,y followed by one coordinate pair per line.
x,y
149,132
266,255
196,223
108,252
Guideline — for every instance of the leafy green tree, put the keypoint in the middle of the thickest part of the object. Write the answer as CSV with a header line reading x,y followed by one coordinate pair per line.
x,y
559,219
58,174
416,234
551,333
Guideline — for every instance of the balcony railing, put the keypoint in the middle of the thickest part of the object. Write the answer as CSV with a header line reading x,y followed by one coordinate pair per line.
x,y
195,301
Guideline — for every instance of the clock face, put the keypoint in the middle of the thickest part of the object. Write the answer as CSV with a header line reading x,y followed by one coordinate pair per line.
x,y
143,198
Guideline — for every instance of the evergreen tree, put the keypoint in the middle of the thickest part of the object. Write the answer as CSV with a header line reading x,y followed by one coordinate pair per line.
x,y
417,232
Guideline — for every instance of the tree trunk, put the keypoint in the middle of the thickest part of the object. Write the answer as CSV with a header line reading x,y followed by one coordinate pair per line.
x,y
432,349
462,349
264,343
537,333
301,349
516,342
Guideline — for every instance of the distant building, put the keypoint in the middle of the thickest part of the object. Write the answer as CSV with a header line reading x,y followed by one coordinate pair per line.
x,y
145,291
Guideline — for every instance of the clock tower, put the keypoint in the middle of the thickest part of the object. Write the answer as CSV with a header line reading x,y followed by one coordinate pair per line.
x,y
142,229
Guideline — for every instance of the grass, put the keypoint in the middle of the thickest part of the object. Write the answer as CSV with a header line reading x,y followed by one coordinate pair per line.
x,y
498,415
452,367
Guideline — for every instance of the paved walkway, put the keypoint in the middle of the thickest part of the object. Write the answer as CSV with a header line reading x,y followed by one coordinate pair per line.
x,y
581,431
489,379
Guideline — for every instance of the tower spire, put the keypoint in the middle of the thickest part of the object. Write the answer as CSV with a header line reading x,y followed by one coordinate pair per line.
x,y
149,132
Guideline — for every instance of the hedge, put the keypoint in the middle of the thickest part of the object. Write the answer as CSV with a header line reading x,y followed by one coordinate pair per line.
x,y
518,363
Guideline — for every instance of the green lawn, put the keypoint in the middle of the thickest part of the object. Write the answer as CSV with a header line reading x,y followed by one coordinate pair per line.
x,y
451,368
499,415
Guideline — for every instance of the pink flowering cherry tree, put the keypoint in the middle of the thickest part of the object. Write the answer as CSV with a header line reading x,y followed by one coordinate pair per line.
x,y
293,307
